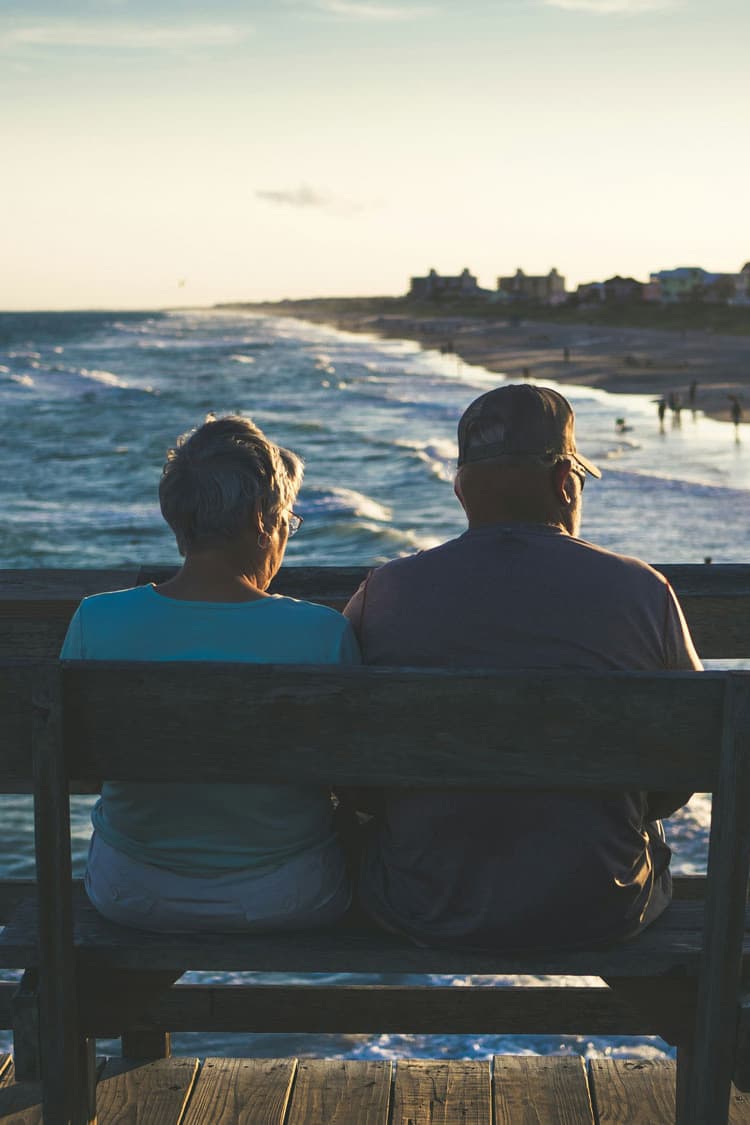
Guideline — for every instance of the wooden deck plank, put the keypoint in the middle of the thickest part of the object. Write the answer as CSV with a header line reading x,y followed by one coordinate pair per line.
x,y
340,1092
541,1090
21,1104
633,1090
628,1091
241,1091
151,1093
442,1092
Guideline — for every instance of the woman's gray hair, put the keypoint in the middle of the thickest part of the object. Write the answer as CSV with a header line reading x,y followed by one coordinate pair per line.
x,y
216,476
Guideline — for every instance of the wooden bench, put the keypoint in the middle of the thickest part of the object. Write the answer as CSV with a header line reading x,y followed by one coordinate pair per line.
x,y
378,726
35,607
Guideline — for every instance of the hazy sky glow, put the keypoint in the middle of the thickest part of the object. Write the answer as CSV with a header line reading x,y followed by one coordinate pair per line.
x,y
334,147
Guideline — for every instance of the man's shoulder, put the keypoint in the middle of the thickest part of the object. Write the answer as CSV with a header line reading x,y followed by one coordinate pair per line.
x,y
605,560
412,566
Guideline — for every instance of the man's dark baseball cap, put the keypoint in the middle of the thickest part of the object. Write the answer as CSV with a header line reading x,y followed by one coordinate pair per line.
x,y
524,421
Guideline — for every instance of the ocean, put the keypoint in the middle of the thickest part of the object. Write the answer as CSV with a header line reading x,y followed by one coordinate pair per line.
x,y
91,401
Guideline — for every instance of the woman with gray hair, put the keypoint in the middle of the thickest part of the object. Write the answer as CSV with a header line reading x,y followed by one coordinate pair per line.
x,y
179,857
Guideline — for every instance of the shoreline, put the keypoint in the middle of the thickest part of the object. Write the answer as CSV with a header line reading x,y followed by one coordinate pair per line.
x,y
645,361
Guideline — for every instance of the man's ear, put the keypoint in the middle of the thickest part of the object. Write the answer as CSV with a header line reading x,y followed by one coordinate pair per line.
x,y
458,491
562,485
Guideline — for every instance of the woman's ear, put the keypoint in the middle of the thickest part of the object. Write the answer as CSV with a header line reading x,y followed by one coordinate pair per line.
x,y
257,522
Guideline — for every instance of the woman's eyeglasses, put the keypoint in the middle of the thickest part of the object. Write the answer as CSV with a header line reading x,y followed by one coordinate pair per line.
x,y
295,523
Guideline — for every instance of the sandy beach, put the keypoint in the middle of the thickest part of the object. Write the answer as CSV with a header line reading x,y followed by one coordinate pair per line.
x,y
623,360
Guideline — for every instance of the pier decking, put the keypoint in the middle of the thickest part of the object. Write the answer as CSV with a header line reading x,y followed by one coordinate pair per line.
x,y
507,1090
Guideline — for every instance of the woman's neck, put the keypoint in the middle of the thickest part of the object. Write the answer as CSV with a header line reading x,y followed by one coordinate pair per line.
x,y
212,576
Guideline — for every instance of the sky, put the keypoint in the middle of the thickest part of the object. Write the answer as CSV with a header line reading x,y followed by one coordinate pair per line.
x,y
159,153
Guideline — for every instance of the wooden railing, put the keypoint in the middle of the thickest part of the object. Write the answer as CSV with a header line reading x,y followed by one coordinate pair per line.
x,y
36,605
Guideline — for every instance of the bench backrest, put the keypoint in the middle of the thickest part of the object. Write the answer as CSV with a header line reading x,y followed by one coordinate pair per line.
x,y
392,726
36,605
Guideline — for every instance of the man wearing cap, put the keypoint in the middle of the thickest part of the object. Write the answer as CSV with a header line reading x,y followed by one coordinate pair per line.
x,y
519,590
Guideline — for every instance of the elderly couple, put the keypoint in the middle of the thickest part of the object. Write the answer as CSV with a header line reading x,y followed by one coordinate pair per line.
x,y
518,589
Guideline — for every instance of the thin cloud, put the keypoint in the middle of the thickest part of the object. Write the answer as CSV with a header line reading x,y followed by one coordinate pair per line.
x,y
122,36
302,196
354,9
307,198
612,7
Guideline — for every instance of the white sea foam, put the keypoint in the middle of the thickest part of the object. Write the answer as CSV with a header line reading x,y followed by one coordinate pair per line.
x,y
361,506
238,358
106,378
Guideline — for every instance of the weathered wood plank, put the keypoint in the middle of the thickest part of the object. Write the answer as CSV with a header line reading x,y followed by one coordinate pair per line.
x,y
36,605
241,1091
715,1039
21,1103
340,1092
633,1091
65,1056
531,1089
385,1009
727,580
8,990
152,1093
15,721
442,1092
127,721
146,1043
671,944
13,891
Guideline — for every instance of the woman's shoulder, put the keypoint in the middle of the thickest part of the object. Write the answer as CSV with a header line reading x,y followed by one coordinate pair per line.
x,y
114,601
300,610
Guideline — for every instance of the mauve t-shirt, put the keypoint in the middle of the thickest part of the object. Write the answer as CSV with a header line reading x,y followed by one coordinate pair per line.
x,y
515,868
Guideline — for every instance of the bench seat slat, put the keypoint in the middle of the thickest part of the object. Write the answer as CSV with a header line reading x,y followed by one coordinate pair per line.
x,y
671,944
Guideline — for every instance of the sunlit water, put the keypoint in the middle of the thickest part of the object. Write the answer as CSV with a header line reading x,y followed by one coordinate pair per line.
x,y
91,402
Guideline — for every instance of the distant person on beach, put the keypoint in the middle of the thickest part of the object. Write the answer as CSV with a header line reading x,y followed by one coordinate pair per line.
x,y
736,412
662,409
519,590
675,405
178,857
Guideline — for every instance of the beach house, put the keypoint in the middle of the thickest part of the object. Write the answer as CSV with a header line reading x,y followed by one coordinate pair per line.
x,y
545,289
434,286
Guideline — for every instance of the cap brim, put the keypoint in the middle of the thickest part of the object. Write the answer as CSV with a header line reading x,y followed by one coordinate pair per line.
x,y
589,466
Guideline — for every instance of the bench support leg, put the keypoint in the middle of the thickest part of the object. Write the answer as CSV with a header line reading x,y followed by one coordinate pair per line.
x,y
146,1043
26,1059
684,1066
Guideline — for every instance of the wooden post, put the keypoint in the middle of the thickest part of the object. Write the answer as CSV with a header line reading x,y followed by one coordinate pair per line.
x,y
709,1081
66,1085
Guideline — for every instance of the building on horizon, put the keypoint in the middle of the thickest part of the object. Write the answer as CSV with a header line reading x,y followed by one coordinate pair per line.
x,y
621,290
693,283
590,293
434,286
546,289
685,283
